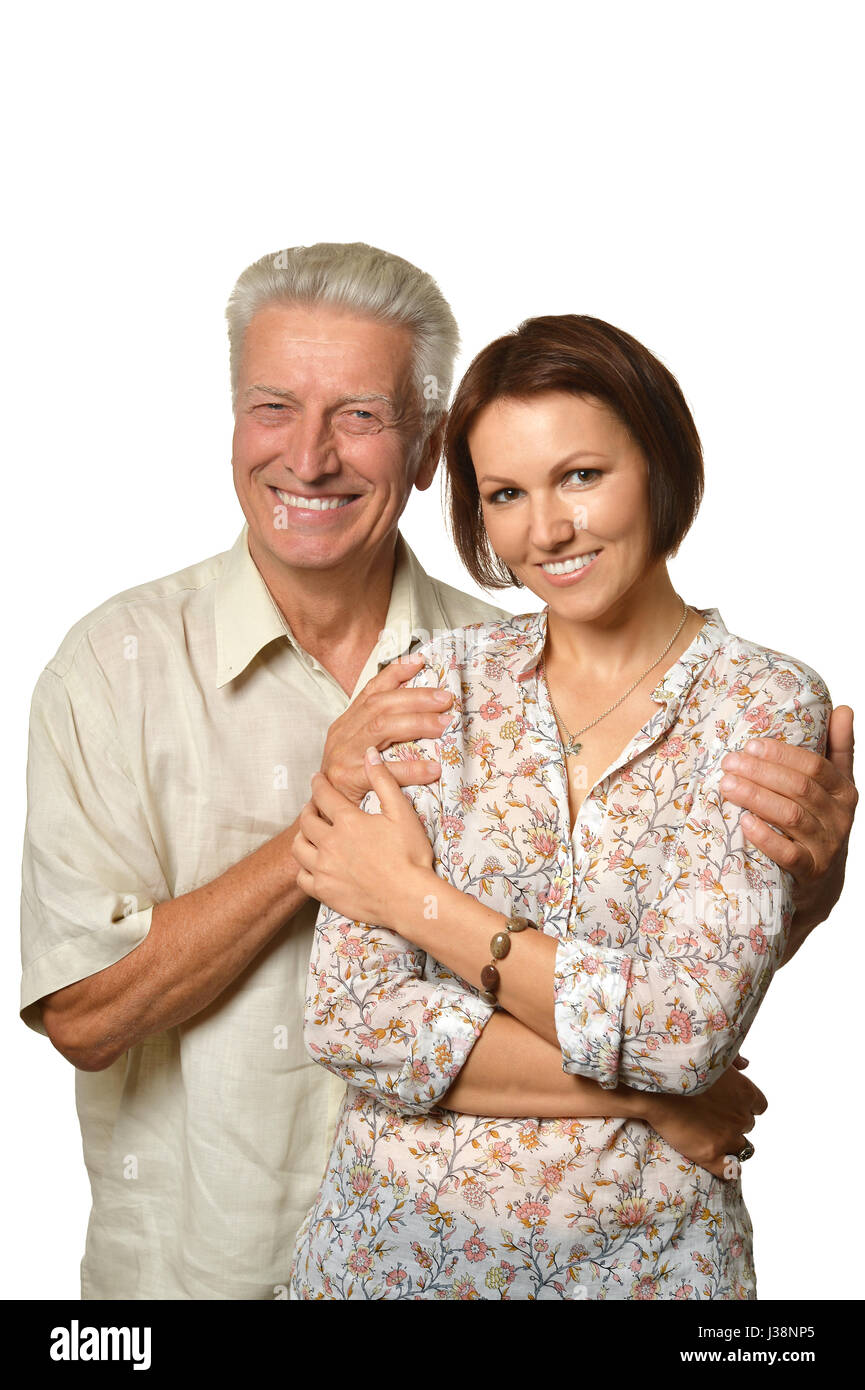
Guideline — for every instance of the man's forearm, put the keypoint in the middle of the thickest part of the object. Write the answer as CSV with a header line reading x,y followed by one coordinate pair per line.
x,y
197,945
513,1073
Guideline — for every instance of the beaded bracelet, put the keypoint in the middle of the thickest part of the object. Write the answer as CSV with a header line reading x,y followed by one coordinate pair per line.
x,y
499,947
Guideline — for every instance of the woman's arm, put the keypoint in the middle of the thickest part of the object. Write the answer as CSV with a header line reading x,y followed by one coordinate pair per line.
x,y
512,1073
668,1016
420,1044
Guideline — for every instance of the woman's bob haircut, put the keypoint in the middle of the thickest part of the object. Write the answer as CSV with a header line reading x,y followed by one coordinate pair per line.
x,y
586,357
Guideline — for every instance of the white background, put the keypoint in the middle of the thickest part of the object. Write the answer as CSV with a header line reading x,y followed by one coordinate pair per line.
x,y
688,172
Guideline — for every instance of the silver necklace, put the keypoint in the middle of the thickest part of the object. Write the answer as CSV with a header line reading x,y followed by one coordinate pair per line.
x,y
571,746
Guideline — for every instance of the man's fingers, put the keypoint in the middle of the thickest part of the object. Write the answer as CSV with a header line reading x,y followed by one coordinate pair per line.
x,y
326,798
395,673
792,771
391,724
789,855
839,747
771,760
791,814
383,782
415,772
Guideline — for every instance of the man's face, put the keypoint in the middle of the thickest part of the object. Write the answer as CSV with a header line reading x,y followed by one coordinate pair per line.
x,y
328,437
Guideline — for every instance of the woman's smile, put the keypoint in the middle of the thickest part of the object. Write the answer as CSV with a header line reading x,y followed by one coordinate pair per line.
x,y
562,573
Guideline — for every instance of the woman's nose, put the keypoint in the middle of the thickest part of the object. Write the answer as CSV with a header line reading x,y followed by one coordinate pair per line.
x,y
552,524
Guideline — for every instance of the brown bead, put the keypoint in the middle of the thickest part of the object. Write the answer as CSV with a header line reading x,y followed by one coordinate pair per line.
x,y
500,945
490,978
487,997
518,923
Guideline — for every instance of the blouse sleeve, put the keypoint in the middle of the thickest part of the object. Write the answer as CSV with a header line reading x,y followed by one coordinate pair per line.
x,y
672,1015
375,1015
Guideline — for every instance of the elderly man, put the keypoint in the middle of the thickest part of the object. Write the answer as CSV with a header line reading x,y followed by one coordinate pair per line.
x,y
172,741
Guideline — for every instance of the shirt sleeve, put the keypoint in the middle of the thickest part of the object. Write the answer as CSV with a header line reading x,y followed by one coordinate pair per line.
x,y
90,871
672,1015
378,1013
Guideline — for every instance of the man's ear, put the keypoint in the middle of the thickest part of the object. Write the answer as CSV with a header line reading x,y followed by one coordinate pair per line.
x,y
431,454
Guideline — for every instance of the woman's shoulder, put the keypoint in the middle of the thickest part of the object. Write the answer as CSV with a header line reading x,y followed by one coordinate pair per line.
x,y
763,665
485,649
769,693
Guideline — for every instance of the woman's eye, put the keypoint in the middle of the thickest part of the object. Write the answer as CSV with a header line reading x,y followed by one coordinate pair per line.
x,y
494,496
593,472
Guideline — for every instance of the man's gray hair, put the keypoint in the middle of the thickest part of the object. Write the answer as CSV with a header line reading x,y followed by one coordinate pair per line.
x,y
364,280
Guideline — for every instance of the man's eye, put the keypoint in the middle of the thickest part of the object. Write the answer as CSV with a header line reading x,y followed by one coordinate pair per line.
x,y
359,421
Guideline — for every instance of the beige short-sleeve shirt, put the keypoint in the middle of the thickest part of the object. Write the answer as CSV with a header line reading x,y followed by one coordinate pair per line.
x,y
174,732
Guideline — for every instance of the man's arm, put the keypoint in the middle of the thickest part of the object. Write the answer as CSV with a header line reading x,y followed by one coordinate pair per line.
x,y
200,942
197,945
813,801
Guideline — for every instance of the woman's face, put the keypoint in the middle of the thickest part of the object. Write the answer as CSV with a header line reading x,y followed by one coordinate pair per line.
x,y
561,480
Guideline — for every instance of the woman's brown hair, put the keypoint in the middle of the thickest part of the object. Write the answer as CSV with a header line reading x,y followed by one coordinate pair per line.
x,y
585,357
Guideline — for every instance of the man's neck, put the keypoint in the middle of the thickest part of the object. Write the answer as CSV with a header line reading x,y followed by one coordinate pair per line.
x,y
336,615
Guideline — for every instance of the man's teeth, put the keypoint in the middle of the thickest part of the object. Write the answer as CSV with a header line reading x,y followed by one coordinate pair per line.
x,y
579,562
312,504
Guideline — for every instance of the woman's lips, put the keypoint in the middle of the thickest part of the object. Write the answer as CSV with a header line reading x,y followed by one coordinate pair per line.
x,y
564,581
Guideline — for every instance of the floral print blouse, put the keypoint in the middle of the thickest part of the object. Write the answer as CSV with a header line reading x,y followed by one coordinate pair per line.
x,y
669,927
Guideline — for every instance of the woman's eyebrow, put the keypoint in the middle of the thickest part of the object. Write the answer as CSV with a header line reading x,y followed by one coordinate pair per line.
x,y
580,454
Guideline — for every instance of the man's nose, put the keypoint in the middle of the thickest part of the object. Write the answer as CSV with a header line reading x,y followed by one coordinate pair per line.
x,y
310,450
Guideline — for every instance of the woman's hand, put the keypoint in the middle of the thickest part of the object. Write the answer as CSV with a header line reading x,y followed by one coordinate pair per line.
x,y
709,1128
360,864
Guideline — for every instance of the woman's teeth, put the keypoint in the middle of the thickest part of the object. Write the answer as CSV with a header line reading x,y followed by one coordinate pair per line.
x,y
312,504
579,562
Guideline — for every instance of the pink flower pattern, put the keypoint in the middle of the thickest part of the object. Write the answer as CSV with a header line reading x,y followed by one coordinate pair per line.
x,y
669,925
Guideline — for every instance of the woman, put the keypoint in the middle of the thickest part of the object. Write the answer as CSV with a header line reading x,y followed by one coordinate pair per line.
x,y
579,790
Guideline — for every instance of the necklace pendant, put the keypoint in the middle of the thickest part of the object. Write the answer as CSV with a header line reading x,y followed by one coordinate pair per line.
x,y
572,747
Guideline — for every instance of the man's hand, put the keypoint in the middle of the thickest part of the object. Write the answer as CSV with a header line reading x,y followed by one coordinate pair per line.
x,y
383,714
812,800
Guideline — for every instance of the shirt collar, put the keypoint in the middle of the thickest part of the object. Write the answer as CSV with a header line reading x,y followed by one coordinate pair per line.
x,y
247,619
520,642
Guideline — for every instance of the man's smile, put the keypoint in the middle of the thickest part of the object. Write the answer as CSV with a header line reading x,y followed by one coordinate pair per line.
x,y
320,502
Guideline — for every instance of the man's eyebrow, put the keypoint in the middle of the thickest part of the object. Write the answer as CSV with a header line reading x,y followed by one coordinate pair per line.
x,y
270,391
343,400
368,396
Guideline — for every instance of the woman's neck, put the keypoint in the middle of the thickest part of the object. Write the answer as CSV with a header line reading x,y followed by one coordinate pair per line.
x,y
626,638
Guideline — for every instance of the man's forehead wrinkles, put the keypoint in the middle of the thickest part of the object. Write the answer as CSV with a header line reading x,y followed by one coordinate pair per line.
x,y
318,342
286,394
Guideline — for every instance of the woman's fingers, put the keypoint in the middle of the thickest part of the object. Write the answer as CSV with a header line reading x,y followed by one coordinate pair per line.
x,y
303,851
305,881
386,788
